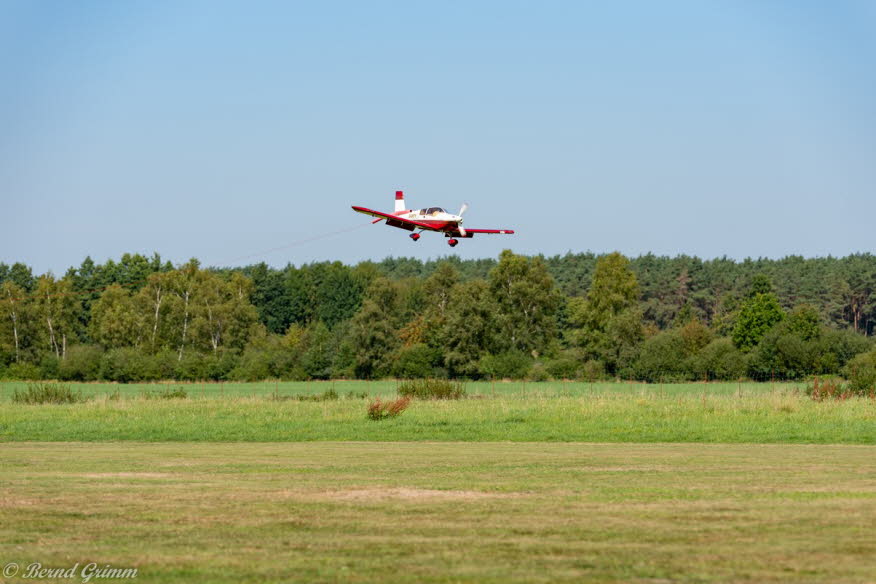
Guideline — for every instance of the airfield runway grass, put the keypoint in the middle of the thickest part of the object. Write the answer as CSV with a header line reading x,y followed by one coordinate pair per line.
x,y
443,512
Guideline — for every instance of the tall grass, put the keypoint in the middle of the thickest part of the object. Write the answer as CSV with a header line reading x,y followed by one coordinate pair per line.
x,y
46,393
432,389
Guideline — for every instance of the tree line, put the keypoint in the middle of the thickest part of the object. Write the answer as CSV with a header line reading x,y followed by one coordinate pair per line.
x,y
577,316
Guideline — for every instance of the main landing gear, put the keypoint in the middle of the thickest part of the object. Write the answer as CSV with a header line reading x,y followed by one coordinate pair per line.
x,y
452,242
415,236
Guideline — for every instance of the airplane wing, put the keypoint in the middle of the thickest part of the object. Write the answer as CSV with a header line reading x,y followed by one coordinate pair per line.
x,y
396,221
467,230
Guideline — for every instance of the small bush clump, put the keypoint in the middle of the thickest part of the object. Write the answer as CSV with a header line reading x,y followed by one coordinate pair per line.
x,y
432,389
169,393
380,410
46,393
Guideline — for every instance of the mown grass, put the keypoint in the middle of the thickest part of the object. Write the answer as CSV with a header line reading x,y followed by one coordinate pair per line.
x,y
443,512
607,417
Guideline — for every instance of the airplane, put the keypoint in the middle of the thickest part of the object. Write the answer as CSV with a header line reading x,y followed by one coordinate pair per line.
x,y
428,219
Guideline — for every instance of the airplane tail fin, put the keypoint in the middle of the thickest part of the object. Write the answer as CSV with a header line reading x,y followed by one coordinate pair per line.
x,y
399,201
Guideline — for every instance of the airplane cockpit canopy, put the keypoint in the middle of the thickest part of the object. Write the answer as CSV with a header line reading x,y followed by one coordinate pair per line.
x,y
431,211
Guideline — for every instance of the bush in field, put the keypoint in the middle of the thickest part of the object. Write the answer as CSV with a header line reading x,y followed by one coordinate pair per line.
x,y
49,366
417,361
81,364
432,389
593,370
720,359
861,372
161,365
538,372
841,346
22,371
564,367
46,393
663,356
800,346
124,365
380,410
506,365
197,366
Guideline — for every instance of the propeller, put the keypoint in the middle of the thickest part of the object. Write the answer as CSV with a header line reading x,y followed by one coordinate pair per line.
x,y
462,211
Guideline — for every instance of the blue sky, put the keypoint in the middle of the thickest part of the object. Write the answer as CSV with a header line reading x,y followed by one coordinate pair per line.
x,y
217,130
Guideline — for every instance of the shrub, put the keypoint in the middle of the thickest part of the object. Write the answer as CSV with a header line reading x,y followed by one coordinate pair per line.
x,y
720,359
432,389
49,366
24,371
124,365
82,363
844,344
538,372
380,410
861,372
161,365
565,367
593,370
663,356
507,365
417,361
196,366
46,393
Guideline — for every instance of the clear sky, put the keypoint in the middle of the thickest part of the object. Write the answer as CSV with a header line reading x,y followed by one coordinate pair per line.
x,y
217,130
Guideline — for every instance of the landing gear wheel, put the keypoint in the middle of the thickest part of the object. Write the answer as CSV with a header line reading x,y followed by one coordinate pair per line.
x,y
452,242
415,236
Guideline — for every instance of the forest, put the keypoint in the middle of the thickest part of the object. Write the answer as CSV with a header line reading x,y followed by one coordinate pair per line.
x,y
575,316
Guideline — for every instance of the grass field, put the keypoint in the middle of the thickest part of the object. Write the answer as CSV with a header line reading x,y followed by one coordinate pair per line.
x,y
388,387
544,413
444,512
535,482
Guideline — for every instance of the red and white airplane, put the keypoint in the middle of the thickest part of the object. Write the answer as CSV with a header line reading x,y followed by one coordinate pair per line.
x,y
429,219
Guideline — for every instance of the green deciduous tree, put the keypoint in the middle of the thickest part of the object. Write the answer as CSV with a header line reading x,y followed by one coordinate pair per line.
x,y
470,328
758,314
607,324
116,320
527,301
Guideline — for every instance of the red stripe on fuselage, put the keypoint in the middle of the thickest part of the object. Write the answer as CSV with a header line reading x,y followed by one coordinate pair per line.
x,y
436,224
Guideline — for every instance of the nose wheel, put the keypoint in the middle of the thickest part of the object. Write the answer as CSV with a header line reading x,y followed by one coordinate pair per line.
x,y
415,236
452,242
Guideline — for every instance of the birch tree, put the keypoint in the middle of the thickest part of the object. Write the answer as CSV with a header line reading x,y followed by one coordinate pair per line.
x,y
56,305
